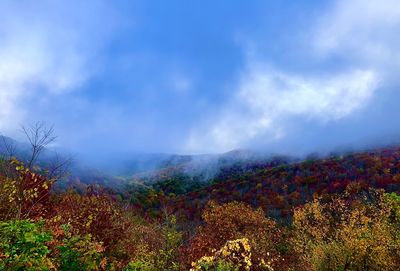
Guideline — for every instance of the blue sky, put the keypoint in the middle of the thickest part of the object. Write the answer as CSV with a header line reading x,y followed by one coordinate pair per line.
x,y
202,76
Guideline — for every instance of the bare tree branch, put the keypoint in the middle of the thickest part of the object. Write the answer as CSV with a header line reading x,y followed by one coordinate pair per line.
x,y
9,147
39,137
59,166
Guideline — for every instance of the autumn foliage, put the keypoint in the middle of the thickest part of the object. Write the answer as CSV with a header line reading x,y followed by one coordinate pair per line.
x,y
233,221
348,233
332,214
23,193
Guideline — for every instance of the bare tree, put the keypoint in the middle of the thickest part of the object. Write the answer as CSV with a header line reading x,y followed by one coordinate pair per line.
x,y
8,151
39,137
59,166
9,147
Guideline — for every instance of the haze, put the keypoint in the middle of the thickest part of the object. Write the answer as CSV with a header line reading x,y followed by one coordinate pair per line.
x,y
202,76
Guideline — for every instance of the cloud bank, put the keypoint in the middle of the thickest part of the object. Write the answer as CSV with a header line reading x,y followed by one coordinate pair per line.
x,y
45,49
128,76
268,99
360,36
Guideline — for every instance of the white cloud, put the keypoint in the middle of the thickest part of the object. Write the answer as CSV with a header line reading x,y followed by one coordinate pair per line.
x,y
274,94
266,99
43,50
363,33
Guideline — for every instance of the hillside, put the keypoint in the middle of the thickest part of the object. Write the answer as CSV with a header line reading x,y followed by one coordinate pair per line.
x,y
313,215
279,187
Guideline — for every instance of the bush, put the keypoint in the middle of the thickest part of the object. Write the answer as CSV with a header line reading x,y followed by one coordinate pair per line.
x,y
139,266
233,256
349,234
23,246
161,255
23,193
80,253
232,221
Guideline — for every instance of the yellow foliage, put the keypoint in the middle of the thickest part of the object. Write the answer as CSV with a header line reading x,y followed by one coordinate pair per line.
x,y
236,252
347,234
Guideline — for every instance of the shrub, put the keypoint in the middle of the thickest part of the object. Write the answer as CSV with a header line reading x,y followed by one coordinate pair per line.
x,y
80,252
23,246
23,193
233,256
162,254
139,266
349,233
97,215
233,221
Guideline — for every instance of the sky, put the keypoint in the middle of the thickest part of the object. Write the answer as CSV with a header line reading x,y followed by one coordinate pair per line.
x,y
202,76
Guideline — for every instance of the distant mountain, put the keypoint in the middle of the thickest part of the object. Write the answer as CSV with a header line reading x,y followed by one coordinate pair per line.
x,y
146,169
10,146
49,159
207,166
280,187
183,174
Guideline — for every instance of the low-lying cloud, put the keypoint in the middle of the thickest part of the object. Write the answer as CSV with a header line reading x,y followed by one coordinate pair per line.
x,y
360,36
155,87
267,99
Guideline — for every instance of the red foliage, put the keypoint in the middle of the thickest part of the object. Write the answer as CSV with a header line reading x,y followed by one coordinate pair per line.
x,y
98,215
287,186
232,221
25,194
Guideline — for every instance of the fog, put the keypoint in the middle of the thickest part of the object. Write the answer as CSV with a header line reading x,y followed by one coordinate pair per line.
x,y
126,85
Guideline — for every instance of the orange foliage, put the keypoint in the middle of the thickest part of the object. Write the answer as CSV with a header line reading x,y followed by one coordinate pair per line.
x,y
348,233
97,215
124,236
23,193
232,221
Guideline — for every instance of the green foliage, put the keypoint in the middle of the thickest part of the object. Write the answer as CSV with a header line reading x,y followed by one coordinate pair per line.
x,y
23,246
166,255
79,252
394,200
220,265
167,258
139,266
351,229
